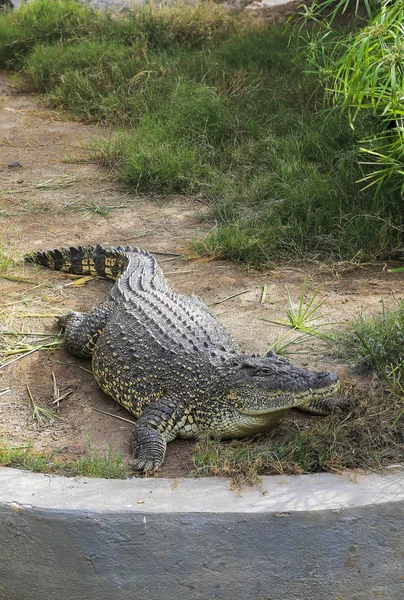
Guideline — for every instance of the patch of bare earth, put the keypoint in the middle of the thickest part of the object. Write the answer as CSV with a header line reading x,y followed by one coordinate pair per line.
x,y
52,201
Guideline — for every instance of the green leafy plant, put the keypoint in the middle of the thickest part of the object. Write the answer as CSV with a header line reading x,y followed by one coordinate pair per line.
x,y
362,71
306,319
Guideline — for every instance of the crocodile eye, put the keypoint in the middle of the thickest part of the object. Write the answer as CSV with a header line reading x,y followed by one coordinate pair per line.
x,y
263,371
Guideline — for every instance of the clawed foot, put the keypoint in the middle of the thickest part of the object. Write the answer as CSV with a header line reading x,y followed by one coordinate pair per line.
x,y
148,447
146,465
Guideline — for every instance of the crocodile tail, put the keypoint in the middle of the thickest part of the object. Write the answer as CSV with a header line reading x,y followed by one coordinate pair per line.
x,y
106,262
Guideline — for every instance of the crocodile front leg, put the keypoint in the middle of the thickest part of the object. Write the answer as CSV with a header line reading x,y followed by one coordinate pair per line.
x,y
324,407
82,330
158,424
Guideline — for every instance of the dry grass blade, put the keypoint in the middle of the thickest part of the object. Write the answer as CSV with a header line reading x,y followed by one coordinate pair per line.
x,y
56,392
140,234
5,391
114,416
228,298
81,281
23,315
163,253
24,334
27,350
42,416
59,182
179,272
20,280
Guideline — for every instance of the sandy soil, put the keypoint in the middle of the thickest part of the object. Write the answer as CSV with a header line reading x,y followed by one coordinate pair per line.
x,y
35,216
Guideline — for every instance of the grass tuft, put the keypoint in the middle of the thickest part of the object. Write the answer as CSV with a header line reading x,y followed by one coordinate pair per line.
x,y
93,464
376,342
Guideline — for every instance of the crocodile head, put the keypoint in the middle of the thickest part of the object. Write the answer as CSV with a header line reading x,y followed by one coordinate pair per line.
x,y
260,386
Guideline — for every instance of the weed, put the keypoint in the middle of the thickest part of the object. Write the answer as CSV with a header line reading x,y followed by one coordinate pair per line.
x,y
94,208
93,464
5,261
376,342
305,319
42,416
24,457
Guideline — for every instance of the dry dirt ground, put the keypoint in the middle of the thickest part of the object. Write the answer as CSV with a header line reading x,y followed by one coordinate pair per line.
x,y
36,214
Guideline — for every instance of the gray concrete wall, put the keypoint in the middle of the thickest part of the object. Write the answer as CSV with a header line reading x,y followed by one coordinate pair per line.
x,y
305,538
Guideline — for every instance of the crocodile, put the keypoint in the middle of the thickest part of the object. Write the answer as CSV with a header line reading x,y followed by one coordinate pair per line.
x,y
166,358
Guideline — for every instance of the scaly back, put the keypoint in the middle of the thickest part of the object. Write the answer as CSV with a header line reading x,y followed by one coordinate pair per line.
x,y
186,322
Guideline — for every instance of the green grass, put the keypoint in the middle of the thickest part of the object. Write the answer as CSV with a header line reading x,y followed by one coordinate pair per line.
x,y
376,342
209,104
5,261
93,464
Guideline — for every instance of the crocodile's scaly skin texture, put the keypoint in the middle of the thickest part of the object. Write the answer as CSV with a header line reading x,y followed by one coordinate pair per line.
x,y
168,360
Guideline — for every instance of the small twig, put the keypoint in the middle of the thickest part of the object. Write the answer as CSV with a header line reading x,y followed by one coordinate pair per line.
x,y
64,362
62,397
264,293
4,391
165,253
228,297
55,391
172,259
178,272
22,333
38,315
115,416
140,234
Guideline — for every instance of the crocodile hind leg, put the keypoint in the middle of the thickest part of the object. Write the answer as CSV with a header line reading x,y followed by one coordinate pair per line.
x,y
82,330
158,424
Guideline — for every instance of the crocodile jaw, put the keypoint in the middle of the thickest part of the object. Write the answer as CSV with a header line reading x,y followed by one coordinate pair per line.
x,y
284,400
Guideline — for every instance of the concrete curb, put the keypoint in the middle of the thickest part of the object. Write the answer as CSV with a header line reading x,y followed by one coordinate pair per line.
x,y
311,537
